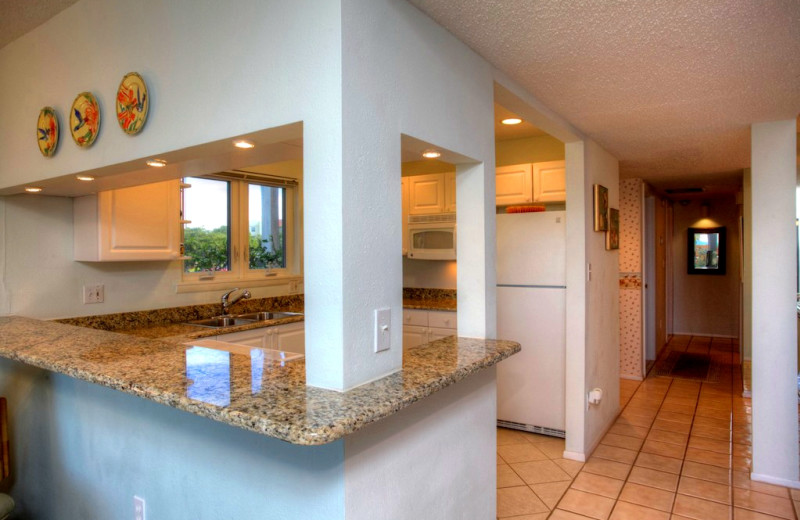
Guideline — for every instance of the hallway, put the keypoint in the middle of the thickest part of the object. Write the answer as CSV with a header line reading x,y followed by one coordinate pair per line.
x,y
679,449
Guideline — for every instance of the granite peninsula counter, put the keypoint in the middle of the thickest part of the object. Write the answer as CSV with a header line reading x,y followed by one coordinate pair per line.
x,y
271,399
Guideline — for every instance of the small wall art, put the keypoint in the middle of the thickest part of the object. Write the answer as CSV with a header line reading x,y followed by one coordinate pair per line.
x,y
84,119
47,131
612,235
600,208
132,103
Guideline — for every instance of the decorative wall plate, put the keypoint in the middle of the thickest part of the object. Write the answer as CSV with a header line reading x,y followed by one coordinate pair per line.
x,y
132,103
84,119
47,131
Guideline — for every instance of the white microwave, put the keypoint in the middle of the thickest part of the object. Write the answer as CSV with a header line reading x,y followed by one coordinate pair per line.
x,y
432,237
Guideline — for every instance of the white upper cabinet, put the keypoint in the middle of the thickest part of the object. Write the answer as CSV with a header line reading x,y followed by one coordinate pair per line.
x,y
138,223
404,191
450,192
549,181
513,184
426,194
526,183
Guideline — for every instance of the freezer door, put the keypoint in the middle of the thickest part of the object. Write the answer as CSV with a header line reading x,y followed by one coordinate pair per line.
x,y
530,384
531,248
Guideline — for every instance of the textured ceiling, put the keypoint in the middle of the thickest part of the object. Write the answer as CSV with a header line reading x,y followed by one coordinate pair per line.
x,y
20,16
668,87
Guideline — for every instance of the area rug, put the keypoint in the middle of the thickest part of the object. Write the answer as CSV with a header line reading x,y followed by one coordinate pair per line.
x,y
686,365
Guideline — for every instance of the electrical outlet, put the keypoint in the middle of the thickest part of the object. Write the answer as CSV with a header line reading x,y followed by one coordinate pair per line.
x,y
293,287
138,508
94,293
383,336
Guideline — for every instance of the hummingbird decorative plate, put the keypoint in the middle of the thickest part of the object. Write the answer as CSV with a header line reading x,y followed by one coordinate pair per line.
x,y
84,119
132,103
47,131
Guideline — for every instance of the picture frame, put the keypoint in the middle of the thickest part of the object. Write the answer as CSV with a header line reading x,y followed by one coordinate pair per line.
x,y
600,208
706,250
612,235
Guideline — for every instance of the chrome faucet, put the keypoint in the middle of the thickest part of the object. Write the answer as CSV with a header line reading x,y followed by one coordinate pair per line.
x,y
225,299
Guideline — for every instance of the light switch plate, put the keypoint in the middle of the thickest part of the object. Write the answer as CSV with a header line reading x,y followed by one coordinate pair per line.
x,y
383,333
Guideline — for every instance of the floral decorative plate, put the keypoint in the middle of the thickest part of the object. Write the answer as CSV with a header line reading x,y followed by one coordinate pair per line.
x,y
132,103
84,119
47,131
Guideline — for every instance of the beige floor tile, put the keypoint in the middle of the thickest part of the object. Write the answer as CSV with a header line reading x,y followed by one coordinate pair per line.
x,y
677,408
700,509
540,471
659,462
629,511
525,452
635,420
763,503
742,450
587,504
721,434
629,430
670,437
550,493
570,466
741,479
500,459
795,493
741,463
746,514
654,478
647,496
622,441
723,460
685,401
671,426
704,443
535,438
607,468
675,417
616,454
507,478
705,489
552,448
506,436
649,412
597,484
664,448
713,423
515,501
560,514
713,413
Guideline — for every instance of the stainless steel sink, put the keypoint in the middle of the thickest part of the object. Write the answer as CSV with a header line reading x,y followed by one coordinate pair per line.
x,y
222,321
264,316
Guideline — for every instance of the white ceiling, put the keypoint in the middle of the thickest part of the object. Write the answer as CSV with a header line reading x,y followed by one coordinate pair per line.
x,y
668,87
20,16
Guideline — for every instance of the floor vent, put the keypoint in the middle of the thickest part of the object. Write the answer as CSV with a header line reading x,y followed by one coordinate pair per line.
x,y
552,432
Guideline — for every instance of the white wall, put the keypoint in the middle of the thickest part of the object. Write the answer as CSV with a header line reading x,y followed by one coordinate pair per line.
x,y
408,466
80,450
706,304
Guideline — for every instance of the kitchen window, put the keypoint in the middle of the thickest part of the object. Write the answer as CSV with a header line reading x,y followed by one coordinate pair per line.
x,y
238,226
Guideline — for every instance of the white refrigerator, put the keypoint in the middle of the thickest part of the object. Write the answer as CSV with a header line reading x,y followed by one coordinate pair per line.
x,y
531,309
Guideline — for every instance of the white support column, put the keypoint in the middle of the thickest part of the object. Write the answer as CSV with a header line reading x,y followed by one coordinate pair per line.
x,y
774,325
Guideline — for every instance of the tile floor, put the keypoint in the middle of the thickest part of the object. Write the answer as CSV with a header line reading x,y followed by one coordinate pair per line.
x,y
679,450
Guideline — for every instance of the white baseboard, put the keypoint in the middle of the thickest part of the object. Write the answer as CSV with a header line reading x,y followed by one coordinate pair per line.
x,y
726,336
775,480
574,455
632,378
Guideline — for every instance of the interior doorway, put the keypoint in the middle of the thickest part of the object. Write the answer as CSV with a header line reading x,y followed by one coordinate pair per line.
x,y
649,282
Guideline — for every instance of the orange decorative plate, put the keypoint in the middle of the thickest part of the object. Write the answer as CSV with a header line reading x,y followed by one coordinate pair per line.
x,y
84,119
132,103
47,131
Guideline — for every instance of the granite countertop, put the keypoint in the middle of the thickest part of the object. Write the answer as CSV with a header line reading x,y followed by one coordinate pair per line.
x,y
263,395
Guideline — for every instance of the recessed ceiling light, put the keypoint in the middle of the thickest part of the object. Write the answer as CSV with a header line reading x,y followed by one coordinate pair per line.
x,y
33,189
431,154
511,121
157,163
244,144
84,178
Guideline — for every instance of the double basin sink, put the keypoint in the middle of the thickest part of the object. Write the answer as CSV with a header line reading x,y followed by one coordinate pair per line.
x,y
219,322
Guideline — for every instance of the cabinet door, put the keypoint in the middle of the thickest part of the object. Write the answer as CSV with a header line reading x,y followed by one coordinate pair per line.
x,y
435,333
513,184
549,181
425,194
252,338
404,227
140,223
416,317
442,320
450,192
414,336
290,338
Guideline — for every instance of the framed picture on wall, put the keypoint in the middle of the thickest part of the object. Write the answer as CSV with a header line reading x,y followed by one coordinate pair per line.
x,y
612,235
600,208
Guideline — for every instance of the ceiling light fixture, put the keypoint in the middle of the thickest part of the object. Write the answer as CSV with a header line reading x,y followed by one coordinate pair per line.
x,y
33,189
244,144
84,178
157,163
511,121
431,154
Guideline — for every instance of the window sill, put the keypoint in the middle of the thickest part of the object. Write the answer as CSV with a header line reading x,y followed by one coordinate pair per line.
x,y
294,284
